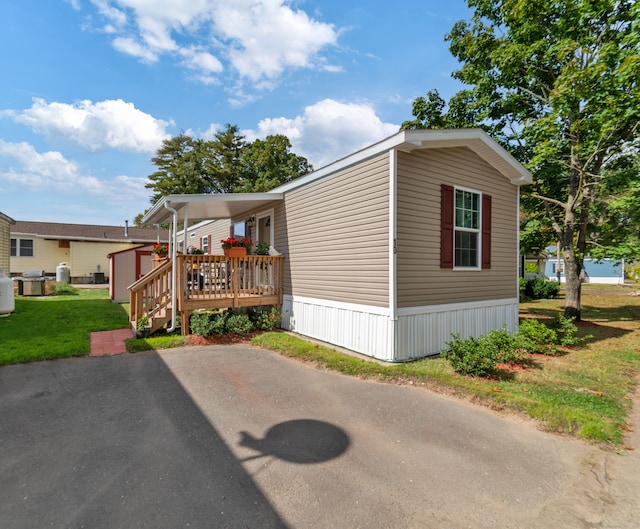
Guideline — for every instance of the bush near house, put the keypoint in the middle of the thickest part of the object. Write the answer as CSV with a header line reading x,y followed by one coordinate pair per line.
x,y
480,356
539,288
206,323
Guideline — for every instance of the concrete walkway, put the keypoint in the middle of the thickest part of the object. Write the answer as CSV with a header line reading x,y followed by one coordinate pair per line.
x,y
238,437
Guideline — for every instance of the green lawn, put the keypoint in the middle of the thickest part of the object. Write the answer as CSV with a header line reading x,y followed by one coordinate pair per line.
x,y
49,327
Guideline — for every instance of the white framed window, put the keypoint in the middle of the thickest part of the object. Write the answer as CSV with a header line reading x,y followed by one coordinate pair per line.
x,y
467,229
239,229
204,244
22,248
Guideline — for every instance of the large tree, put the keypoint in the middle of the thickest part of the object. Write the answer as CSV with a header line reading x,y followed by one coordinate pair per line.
x,y
557,83
269,163
225,164
182,163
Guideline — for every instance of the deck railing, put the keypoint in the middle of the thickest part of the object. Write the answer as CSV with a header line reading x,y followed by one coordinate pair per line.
x,y
217,281
207,282
150,296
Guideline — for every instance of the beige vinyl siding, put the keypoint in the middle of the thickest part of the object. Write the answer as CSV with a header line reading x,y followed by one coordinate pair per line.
x,y
47,255
124,270
5,244
86,258
218,229
334,234
420,280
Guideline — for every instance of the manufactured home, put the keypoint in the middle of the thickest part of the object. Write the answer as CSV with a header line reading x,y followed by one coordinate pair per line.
x,y
386,252
5,241
83,247
595,271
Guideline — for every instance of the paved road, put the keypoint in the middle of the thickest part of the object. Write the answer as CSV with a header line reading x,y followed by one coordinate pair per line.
x,y
237,437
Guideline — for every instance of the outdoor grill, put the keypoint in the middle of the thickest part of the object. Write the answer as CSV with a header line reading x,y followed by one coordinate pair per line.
x,y
31,283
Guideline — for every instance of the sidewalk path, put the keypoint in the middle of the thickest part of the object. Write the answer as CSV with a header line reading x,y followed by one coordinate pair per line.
x,y
109,342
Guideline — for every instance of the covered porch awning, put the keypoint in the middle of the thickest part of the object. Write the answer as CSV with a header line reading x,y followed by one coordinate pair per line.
x,y
207,207
186,208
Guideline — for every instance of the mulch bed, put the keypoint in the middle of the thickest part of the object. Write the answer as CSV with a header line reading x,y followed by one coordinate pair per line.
x,y
222,339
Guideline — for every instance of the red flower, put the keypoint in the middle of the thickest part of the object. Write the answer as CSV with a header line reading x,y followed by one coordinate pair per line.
x,y
160,248
232,242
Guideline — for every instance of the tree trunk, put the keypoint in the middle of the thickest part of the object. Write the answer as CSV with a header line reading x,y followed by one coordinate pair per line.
x,y
573,285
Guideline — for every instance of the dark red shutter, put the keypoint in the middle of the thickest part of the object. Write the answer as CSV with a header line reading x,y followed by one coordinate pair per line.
x,y
209,245
486,231
446,226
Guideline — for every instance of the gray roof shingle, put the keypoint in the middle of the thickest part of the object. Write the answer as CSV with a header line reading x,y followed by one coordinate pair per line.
x,y
87,232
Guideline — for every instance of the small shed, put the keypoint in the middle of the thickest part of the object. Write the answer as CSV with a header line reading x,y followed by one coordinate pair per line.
x,y
125,268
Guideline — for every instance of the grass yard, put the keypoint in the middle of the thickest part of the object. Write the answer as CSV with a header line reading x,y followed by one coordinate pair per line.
x,y
584,391
43,328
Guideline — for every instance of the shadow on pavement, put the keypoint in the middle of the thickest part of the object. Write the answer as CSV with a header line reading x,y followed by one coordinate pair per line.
x,y
302,441
116,442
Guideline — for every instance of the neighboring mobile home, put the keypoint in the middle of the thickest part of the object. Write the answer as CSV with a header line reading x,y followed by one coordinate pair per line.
x,y
5,241
85,248
386,252
596,271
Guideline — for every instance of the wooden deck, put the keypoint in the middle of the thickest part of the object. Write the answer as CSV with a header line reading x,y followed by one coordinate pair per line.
x,y
206,282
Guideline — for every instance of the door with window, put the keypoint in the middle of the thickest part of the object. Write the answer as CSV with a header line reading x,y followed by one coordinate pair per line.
x,y
264,230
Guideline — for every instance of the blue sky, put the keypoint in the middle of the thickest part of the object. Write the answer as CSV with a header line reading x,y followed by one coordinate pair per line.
x,y
90,88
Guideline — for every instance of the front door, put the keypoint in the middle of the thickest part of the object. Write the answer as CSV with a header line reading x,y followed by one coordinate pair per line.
x,y
265,228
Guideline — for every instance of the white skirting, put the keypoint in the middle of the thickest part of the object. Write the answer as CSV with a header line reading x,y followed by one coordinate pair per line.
x,y
417,332
361,328
424,331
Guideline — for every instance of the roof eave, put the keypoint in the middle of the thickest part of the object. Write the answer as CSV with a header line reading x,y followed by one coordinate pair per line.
x,y
409,140
222,206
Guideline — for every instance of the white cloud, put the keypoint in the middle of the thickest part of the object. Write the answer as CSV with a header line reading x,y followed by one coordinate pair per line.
x,y
198,59
131,47
258,39
112,124
22,164
37,170
267,36
328,130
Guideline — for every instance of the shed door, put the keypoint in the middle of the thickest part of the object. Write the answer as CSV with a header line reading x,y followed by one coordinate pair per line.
x,y
143,263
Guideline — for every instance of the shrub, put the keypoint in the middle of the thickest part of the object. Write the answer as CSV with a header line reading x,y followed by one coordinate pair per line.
x,y
63,289
268,319
566,330
504,345
219,323
523,285
201,323
470,356
238,323
536,337
540,288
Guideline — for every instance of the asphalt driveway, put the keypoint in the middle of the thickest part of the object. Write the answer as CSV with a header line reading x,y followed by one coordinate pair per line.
x,y
238,437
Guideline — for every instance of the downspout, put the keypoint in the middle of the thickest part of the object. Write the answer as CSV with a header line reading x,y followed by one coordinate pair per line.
x,y
174,253
392,327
